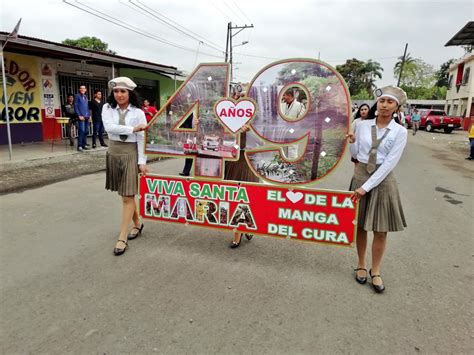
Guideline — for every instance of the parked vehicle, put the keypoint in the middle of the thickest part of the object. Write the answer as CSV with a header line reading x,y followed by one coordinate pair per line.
x,y
210,143
435,119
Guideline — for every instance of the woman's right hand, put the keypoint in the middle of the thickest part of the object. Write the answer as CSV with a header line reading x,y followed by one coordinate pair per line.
x,y
139,128
351,137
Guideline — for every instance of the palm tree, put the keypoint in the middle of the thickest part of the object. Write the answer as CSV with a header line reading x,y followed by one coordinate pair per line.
x,y
398,65
372,70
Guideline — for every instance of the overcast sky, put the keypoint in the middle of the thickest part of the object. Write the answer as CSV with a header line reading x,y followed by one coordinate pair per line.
x,y
336,30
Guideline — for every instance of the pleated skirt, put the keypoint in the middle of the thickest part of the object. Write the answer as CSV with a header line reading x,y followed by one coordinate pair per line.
x,y
122,168
380,210
239,170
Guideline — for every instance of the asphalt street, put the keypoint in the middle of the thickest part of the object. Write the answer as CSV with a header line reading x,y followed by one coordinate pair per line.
x,y
180,289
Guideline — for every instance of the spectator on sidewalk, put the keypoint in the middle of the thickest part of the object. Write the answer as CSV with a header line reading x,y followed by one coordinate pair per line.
x,y
471,142
149,110
68,111
81,107
98,126
415,121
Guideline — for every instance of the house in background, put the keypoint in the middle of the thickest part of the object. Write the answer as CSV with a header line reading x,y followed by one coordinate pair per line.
x,y
459,98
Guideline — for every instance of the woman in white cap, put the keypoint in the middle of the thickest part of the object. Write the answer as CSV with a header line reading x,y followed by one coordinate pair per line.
x,y
125,123
378,145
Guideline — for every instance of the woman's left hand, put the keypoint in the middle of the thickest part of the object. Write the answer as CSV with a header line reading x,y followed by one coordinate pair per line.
x,y
358,194
143,169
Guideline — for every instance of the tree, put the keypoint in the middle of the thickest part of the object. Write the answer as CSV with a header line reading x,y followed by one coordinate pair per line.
x,y
417,73
406,66
442,75
359,75
92,43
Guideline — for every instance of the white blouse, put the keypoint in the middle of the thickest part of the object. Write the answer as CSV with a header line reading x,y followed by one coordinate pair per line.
x,y
389,151
134,117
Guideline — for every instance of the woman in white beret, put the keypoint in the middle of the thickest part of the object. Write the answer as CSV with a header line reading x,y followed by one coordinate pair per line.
x,y
378,145
125,123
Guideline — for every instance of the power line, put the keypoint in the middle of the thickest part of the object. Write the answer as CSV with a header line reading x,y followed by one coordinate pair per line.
x,y
218,9
232,11
132,28
243,13
175,25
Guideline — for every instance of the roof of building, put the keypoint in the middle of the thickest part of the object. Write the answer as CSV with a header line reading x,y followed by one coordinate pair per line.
x,y
41,47
465,37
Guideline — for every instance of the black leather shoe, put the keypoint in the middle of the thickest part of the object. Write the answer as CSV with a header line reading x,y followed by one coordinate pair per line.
x,y
135,235
234,245
248,236
359,279
104,145
377,288
119,251
93,146
183,174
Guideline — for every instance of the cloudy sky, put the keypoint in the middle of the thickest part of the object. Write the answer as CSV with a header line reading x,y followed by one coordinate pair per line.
x,y
335,30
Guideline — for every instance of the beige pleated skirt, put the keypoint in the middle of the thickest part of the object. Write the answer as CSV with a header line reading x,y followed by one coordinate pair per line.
x,y
380,210
122,168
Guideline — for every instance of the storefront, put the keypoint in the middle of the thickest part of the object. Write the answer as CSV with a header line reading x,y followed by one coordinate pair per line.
x,y
40,74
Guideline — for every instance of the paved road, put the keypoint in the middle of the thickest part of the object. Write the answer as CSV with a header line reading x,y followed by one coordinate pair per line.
x,y
180,289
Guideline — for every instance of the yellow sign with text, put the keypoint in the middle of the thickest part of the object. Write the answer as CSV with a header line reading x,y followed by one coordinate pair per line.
x,y
23,89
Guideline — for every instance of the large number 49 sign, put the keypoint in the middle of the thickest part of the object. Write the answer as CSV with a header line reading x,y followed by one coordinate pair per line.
x,y
297,111
295,114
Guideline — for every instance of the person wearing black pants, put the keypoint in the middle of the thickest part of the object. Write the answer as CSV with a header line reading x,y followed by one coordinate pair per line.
x,y
188,164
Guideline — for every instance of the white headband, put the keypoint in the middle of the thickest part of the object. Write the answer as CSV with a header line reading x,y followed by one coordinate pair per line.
x,y
390,96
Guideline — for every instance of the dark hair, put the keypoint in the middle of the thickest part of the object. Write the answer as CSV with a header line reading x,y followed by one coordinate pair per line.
x,y
132,95
69,94
357,115
96,91
289,92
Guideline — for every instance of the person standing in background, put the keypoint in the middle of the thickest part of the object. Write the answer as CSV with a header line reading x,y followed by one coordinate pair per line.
x,y
81,107
68,111
149,110
415,121
98,126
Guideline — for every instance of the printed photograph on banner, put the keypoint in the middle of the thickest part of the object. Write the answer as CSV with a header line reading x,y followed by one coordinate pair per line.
x,y
187,125
302,116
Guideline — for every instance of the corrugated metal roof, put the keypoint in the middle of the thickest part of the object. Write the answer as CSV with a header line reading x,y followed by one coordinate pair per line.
x,y
38,46
465,37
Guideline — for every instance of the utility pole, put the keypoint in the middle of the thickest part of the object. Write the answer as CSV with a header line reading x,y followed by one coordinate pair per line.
x,y
401,66
228,49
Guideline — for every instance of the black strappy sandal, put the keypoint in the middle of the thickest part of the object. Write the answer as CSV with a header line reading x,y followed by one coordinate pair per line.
x,y
361,280
234,245
135,235
118,251
377,288
248,236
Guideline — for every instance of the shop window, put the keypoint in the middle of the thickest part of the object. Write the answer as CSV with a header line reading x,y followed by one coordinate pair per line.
x,y
450,81
465,78
459,75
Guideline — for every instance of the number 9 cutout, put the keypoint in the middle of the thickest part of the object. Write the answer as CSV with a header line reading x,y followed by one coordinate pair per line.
x,y
303,115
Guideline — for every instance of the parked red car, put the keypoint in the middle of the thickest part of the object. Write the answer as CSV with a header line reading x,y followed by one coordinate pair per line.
x,y
435,119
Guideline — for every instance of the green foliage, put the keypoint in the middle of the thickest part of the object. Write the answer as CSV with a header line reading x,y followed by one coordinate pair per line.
x,y
425,93
442,75
416,73
359,75
92,43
